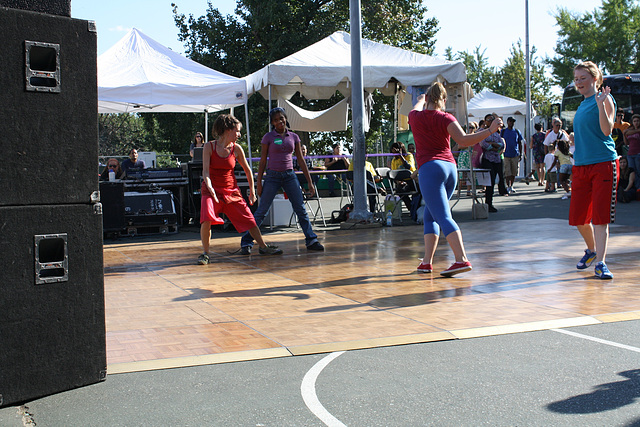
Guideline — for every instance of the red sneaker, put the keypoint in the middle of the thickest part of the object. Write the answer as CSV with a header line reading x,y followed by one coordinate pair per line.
x,y
425,268
456,267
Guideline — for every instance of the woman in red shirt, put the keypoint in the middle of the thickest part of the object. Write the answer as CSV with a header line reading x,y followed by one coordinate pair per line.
x,y
220,193
432,130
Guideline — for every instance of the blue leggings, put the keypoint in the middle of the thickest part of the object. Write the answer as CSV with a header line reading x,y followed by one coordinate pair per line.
x,y
438,180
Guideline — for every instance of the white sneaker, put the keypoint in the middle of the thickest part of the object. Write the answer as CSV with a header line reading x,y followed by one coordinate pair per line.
x,y
565,197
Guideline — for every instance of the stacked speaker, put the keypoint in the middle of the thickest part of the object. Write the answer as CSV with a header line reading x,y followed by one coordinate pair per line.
x,y
52,328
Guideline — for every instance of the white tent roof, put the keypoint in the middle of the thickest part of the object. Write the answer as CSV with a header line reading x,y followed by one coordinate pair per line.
x,y
138,74
318,70
487,102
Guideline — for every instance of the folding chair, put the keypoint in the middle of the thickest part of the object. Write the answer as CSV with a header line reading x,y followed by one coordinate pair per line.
x,y
410,190
372,190
386,182
310,211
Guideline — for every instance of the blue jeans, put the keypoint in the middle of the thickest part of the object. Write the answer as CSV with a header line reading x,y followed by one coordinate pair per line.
x,y
634,162
288,181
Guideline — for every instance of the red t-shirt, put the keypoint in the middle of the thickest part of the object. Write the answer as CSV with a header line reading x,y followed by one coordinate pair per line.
x,y
430,134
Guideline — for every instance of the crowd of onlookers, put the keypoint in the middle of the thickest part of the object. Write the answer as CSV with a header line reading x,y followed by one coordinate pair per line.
x,y
552,157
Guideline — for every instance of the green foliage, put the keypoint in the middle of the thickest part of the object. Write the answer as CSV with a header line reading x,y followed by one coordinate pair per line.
x,y
606,36
119,133
262,32
479,74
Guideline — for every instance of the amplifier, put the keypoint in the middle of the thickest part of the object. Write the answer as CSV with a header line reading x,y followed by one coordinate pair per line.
x,y
142,174
151,212
148,203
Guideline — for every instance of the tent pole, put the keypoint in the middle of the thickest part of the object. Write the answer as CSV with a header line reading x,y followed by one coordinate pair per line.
x,y
269,109
246,121
395,113
206,125
527,137
360,212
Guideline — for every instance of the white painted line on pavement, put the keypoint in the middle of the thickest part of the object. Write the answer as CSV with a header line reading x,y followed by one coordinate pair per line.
x,y
308,389
598,340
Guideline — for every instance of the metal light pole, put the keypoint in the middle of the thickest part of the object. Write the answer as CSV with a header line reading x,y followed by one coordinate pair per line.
x,y
360,211
527,89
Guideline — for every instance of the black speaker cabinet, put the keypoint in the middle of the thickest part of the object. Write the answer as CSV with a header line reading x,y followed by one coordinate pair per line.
x,y
52,319
48,106
112,199
54,7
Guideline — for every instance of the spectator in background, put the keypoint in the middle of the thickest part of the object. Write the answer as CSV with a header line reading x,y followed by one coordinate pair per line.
x,y
555,134
626,188
403,160
512,153
132,162
112,165
563,164
411,148
492,148
552,177
620,123
537,150
619,127
198,142
339,162
632,140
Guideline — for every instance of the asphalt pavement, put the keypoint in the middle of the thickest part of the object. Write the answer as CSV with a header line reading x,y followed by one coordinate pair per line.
x,y
545,378
590,377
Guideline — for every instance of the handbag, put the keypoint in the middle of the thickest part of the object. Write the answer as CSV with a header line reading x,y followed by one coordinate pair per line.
x,y
476,156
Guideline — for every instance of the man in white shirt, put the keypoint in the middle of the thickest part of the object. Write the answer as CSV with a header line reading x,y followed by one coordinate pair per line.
x,y
555,134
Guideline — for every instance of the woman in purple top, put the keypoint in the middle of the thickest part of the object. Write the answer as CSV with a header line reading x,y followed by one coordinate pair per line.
x,y
276,157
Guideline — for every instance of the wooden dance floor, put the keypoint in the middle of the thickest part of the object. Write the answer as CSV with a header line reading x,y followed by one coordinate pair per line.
x,y
165,311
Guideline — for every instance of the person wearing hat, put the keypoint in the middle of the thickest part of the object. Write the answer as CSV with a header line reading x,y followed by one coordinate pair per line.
x,y
512,153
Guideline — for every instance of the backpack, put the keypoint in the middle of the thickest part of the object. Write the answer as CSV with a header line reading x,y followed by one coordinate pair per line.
x,y
341,215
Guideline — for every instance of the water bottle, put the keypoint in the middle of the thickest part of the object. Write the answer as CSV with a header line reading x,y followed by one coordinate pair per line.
x,y
112,176
389,219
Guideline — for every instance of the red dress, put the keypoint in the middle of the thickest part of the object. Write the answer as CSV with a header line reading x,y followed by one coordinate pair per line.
x,y
230,201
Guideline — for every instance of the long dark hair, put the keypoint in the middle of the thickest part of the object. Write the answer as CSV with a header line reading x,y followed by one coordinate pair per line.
x,y
563,146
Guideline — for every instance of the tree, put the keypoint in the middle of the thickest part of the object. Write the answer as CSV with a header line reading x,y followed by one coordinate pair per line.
x,y
606,36
479,74
510,80
262,32
119,133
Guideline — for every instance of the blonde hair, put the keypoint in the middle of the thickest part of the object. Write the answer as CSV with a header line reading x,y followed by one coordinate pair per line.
x,y
437,93
591,68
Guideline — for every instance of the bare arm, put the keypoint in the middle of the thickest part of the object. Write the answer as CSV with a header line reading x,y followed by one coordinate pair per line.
x,y
206,161
239,152
466,140
606,110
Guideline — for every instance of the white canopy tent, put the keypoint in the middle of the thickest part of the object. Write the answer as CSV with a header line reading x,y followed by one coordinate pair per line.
x,y
317,71
139,75
487,102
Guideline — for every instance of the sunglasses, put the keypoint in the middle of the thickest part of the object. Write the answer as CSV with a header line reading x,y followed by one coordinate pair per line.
x,y
112,166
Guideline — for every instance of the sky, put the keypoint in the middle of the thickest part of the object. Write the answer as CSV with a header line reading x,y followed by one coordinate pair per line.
x,y
494,27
